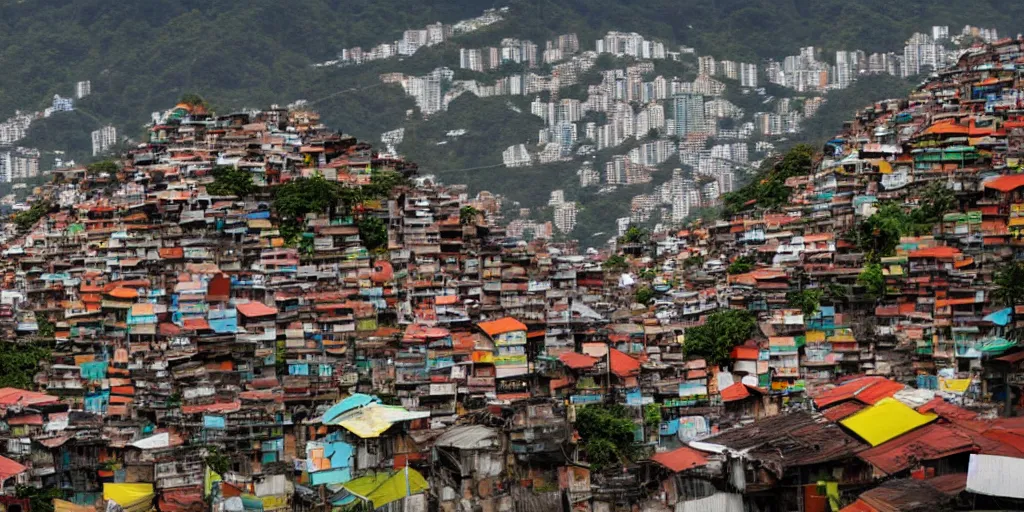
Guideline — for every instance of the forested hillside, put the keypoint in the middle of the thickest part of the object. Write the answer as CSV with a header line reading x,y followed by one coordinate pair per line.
x,y
142,55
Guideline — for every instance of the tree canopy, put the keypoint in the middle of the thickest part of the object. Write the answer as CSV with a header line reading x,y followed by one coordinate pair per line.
x,y
721,332
229,181
1009,283
606,434
19,363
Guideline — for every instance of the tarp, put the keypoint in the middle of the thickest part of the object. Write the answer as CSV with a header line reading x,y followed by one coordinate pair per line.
x,y
887,419
162,440
381,488
67,506
1001,317
131,497
371,421
347,404
995,476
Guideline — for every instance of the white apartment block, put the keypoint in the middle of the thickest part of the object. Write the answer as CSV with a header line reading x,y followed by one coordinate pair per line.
x,y
471,59
516,156
19,165
748,75
565,217
83,89
589,177
103,139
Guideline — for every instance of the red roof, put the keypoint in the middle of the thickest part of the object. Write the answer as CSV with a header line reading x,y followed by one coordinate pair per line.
x,y
622,364
681,459
859,506
947,410
9,468
930,442
867,390
255,309
501,326
843,410
1006,183
577,361
15,396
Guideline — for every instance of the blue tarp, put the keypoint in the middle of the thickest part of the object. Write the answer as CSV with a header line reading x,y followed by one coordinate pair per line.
x,y
1001,317
353,402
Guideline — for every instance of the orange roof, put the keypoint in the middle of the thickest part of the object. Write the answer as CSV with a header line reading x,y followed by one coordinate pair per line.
x,y
255,309
681,459
123,293
744,353
171,253
197,324
15,396
946,128
736,392
444,300
1006,183
9,468
577,361
622,364
935,252
941,303
501,326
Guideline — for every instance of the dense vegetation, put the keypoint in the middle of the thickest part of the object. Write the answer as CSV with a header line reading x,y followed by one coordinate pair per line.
x,y
879,234
143,57
19,363
768,187
721,332
607,434
230,181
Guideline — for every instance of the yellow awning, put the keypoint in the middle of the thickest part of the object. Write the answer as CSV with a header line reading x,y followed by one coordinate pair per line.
x,y
887,419
131,497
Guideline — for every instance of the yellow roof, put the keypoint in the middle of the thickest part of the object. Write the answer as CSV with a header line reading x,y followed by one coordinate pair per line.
x,y
887,419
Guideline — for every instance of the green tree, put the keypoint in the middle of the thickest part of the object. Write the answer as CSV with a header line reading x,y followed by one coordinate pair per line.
x,y
873,280
39,499
297,198
719,334
644,295
467,215
615,262
740,265
1009,281
807,301
28,218
635,235
374,232
606,434
110,167
879,234
217,460
768,188
652,415
46,328
230,181
19,363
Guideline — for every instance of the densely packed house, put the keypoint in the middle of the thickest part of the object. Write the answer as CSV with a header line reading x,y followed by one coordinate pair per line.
x,y
393,349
